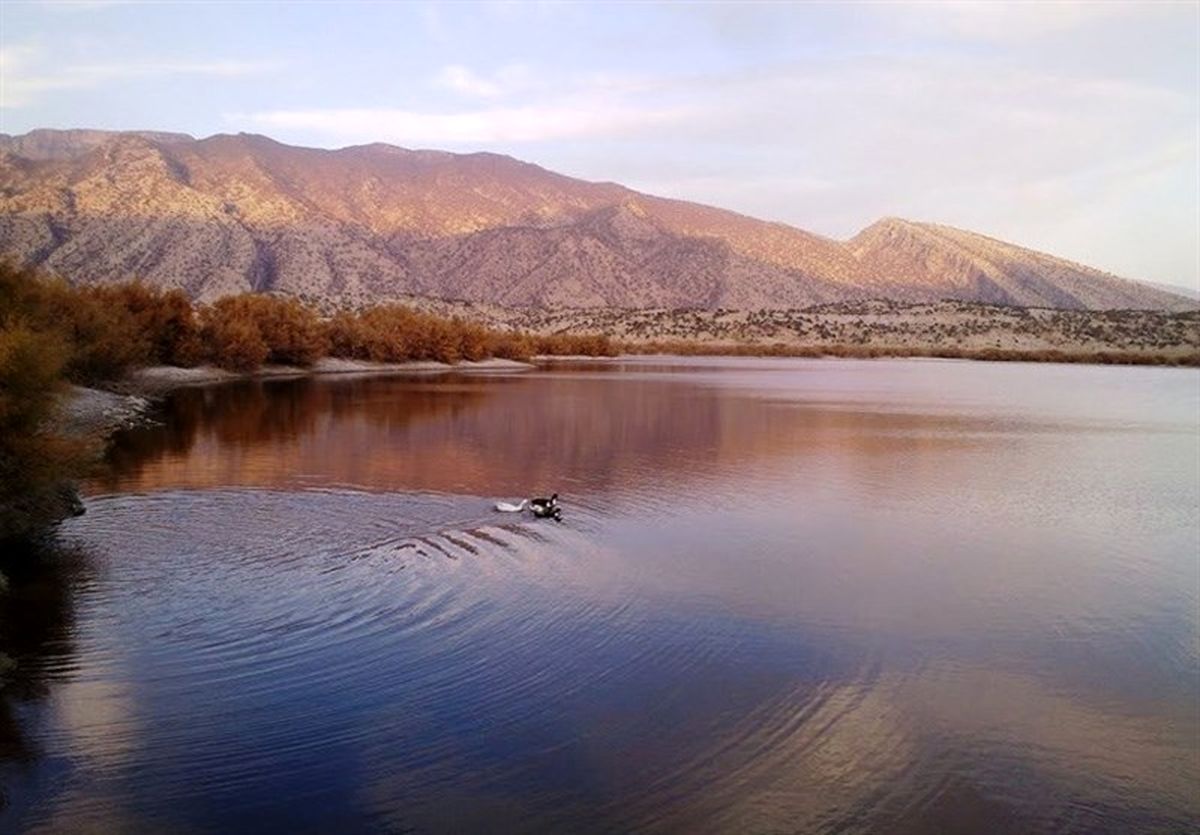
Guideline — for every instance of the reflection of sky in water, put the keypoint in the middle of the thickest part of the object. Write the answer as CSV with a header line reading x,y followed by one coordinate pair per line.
x,y
846,596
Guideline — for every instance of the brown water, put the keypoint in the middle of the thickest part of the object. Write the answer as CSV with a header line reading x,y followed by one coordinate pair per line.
x,y
901,596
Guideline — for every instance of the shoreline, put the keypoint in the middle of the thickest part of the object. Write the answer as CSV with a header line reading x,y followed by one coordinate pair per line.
x,y
158,379
98,413
123,404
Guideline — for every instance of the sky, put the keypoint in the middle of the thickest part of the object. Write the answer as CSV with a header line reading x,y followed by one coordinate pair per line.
x,y
1073,128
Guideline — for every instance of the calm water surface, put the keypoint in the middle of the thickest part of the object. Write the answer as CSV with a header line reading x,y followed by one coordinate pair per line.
x,y
788,596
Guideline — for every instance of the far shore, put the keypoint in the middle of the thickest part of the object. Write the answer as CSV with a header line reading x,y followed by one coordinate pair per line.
x,y
127,402
99,412
156,379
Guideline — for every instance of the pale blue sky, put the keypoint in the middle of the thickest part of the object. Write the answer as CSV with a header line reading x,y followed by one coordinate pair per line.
x,y
1068,127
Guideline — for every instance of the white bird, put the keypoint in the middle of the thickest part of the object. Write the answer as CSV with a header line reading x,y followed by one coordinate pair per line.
x,y
507,507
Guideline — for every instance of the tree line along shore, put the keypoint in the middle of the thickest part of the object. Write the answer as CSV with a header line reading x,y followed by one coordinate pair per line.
x,y
97,333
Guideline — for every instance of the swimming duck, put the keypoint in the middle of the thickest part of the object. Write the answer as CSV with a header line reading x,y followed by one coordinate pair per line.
x,y
554,513
542,503
544,508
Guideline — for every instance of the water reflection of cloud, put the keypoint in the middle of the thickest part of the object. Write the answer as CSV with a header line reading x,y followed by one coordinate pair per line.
x,y
99,717
874,756
95,725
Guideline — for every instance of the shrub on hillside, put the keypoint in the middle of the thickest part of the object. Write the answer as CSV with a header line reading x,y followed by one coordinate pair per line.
x,y
575,344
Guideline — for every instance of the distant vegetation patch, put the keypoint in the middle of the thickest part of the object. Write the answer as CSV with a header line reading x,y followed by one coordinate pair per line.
x,y
685,348
881,328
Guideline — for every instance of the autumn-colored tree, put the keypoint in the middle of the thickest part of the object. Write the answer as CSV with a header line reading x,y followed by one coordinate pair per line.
x,y
241,332
103,338
512,345
36,464
232,342
569,344
165,320
293,333
394,333
347,336
474,340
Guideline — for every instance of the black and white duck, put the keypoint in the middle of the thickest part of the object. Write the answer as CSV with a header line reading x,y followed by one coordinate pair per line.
x,y
544,508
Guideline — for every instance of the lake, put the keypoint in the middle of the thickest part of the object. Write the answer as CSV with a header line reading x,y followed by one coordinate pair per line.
x,y
786,595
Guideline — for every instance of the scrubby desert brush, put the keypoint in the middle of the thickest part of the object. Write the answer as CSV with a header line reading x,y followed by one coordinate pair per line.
x,y
566,344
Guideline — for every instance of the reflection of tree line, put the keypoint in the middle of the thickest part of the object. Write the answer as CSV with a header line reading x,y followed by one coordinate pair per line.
x,y
498,435
36,620
257,414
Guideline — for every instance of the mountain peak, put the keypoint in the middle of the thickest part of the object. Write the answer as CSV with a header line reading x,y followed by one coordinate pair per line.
x,y
50,144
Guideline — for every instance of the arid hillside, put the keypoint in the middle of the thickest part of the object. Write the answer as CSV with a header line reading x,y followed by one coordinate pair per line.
x,y
880,327
230,214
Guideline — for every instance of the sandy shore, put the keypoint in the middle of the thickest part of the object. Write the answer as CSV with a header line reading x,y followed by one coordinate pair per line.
x,y
95,413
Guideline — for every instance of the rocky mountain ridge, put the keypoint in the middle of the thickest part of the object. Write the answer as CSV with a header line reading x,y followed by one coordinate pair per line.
x,y
367,223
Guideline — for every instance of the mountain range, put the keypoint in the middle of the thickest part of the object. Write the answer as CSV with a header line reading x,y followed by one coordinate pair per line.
x,y
237,213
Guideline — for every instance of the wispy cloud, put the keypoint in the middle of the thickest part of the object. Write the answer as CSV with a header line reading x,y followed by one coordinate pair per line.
x,y
486,126
460,79
995,21
85,5
567,106
25,74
